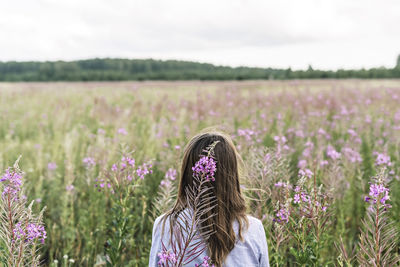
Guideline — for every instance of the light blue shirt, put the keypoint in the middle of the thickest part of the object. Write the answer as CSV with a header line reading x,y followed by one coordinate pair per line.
x,y
251,252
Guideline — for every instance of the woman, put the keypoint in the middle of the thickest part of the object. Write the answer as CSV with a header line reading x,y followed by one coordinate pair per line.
x,y
230,237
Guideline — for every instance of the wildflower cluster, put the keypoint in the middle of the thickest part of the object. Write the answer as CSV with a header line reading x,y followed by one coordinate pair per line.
x,y
89,162
166,258
205,167
12,180
382,159
30,233
378,193
301,215
332,153
282,215
20,229
122,180
123,173
378,237
170,176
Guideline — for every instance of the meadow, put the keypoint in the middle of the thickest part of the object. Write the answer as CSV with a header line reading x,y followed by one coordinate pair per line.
x,y
321,163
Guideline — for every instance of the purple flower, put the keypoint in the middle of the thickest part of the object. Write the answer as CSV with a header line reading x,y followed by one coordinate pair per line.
x,y
296,199
378,192
89,162
31,233
305,198
332,153
129,161
114,168
12,180
280,184
122,131
70,188
206,168
35,231
143,170
283,215
383,159
19,233
171,174
166,257
280,139
51,166
323,163
302,164
307,173
165,182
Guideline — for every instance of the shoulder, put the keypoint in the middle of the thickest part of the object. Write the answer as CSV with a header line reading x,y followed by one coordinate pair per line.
x,y
255,231
159,223
254,223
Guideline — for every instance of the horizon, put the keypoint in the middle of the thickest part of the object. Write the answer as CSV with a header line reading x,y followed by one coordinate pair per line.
x,y
199,62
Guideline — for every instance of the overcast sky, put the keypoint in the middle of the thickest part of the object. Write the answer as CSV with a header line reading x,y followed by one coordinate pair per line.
x,y
327,34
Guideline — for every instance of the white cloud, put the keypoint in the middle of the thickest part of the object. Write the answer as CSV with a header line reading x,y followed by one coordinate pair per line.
x,y
324,33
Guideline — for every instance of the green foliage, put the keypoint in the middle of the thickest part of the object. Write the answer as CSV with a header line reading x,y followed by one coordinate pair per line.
x,y
398,62
109,69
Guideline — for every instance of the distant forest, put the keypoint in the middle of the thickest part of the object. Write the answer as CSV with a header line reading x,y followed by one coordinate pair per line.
x,y
106,69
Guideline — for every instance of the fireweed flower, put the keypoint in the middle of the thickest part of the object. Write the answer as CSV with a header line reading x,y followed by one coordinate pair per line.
x,y
306,173
34,231
70,188
89,162
302,164
129,161
308,150
378,192
21,228
205,167
282,215
323,163
51,166
280,184
296,199
383,159
31,233
12,181
114,168
122,173
166,257
122,131
332,153
170,175
19,233
144,170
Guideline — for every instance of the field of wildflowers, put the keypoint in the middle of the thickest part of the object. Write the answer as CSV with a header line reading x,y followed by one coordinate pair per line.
x,y
100,161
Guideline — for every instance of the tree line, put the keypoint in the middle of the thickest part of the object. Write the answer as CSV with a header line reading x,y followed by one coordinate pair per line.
x,y
108,69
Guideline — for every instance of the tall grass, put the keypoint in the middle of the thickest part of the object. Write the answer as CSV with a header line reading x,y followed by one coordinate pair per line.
x,y
310,150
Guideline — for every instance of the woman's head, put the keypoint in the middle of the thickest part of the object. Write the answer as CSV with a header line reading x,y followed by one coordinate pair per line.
x,y
226,189
226,185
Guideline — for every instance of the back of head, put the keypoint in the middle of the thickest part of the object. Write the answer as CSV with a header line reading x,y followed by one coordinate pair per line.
x,y
226,189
